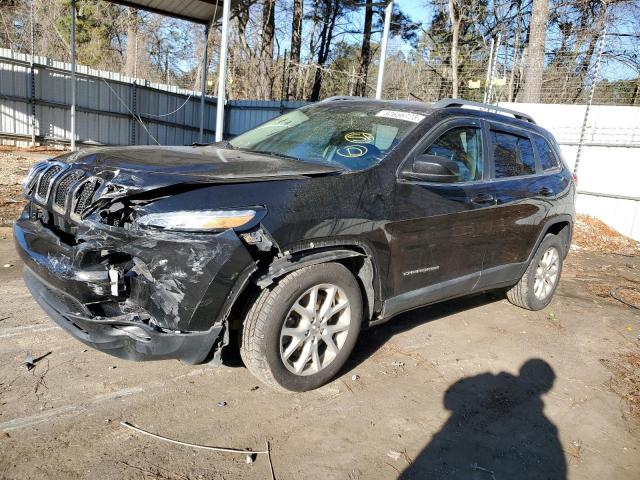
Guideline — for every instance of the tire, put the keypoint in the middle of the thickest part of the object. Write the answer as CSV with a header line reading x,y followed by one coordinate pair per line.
x,y
526,293
264,344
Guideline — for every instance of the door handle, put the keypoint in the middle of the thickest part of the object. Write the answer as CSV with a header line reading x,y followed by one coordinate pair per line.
x,y
483,199
545,192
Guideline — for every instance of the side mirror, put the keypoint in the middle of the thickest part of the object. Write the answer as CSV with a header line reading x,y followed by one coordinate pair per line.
x,y
432,168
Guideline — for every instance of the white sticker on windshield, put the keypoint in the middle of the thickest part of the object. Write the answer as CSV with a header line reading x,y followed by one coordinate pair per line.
x,y
407,116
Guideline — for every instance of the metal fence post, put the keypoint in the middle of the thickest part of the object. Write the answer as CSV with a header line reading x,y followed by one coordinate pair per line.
x,y
32,79
383,48
494,62
73,74
222,76
203,77
133,123
488,77
284,78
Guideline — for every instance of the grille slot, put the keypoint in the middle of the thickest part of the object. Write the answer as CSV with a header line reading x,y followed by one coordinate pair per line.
x,y
45,180
64,186
34,175
85,195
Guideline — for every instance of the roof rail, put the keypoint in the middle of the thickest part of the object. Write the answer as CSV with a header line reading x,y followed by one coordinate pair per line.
x,y
456,102
341,97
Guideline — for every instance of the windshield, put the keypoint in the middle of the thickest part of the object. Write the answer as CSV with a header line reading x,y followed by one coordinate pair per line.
x,y
348,135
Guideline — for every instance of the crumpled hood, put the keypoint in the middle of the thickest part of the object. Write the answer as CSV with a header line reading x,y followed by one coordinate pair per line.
x,y
202,164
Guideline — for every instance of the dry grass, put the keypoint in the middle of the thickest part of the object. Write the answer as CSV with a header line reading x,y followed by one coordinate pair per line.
x,y
11,204
14,165
43,149
627,295
594,235
625,380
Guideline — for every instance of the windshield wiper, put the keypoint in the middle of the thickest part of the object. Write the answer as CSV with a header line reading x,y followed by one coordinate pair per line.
x,y
340,167
221,143
224,144
274,154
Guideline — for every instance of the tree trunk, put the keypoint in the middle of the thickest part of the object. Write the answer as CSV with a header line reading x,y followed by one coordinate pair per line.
x,y
516,52
365,53
325,40
455,35
535,60
132,38
265,79
296,43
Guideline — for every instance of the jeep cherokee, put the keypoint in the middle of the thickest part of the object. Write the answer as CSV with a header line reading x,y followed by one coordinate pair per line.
x,y
296,233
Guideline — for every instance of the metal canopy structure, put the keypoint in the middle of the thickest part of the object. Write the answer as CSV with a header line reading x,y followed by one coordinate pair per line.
x,y
198,11
205,12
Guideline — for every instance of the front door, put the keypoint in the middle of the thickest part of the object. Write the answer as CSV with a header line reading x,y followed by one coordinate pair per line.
x,y
440,239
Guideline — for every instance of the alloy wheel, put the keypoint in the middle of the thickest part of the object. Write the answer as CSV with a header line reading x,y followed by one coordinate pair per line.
x,y
546,275
315,329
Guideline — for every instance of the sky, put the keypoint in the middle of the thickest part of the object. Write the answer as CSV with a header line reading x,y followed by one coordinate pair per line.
x,y
416,9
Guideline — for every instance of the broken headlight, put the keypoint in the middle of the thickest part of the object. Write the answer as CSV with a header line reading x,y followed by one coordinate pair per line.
x,y
200,220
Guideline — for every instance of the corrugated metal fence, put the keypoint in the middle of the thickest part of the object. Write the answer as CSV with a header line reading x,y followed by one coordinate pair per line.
x,y
108,104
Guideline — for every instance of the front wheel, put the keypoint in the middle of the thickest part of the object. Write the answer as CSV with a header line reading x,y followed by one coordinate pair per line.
x,y
298,334
535,289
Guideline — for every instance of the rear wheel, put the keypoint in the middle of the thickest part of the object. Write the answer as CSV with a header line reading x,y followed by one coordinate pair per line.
x,y
535,289
298,334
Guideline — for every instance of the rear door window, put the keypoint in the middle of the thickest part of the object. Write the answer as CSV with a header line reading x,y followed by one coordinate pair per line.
x,y
548,158
512,155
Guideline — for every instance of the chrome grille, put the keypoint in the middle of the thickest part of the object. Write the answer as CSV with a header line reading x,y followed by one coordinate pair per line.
x,y
45,181
31,182
85,195
57,189
64,187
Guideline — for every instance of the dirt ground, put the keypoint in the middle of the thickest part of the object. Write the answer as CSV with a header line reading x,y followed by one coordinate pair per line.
x,y
544,392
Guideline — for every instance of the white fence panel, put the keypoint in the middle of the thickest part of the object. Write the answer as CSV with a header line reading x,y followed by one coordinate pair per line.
x,y
609,169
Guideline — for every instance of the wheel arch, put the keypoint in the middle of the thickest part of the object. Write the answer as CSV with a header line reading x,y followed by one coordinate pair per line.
x,y
354,255
563,228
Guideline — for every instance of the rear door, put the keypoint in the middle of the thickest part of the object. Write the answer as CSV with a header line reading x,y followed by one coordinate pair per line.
x,y
440,236
522,197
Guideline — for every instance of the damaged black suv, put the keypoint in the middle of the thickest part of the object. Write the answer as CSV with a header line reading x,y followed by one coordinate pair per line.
x,y
294,235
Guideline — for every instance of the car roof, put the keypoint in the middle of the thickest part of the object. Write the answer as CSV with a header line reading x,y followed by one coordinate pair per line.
x,y
404,105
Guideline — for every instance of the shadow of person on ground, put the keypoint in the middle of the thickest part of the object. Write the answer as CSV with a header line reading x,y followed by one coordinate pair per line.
x,y
497,430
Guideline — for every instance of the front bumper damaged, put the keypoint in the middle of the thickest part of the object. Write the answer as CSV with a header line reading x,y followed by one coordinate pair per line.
x,y
135,295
